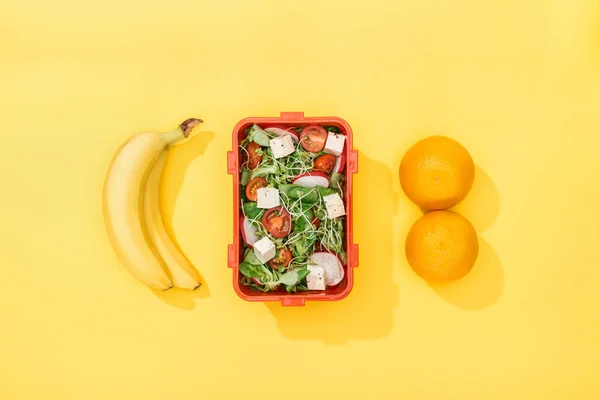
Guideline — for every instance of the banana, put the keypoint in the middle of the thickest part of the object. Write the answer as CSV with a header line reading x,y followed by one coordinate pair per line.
x,y
123,200
180,269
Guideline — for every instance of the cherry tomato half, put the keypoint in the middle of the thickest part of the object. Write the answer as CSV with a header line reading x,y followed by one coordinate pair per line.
x,y
325,163
253,158
277,222
253,186
313,138
282,258
316,222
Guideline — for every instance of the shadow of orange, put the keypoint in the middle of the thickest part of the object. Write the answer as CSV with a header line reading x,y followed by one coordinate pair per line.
x,y
481,287
482,205
368,312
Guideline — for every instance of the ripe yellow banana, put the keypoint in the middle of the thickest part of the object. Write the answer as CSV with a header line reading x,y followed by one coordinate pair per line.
x,y
123,200
180,269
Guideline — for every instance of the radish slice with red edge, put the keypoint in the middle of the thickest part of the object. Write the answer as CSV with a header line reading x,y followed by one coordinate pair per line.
x,y
282,132
248,231
340,163
334,269
311,180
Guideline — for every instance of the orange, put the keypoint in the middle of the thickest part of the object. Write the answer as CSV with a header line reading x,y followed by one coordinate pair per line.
x,y
442,246
437,173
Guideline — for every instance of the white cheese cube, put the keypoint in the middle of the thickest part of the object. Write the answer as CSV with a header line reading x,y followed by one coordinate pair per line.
x,y
282,146
334,205
264,250
335,144
267,197
316,279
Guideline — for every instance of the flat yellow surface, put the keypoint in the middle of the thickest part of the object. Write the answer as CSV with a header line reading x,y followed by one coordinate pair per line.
x,y
516,82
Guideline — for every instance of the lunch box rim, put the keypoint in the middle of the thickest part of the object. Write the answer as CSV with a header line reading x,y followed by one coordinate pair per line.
x,y
299,298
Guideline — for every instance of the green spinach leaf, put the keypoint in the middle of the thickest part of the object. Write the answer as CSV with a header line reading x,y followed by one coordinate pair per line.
x,y
325,191
259,136
297,192
250,270
303,221
251,210
252,259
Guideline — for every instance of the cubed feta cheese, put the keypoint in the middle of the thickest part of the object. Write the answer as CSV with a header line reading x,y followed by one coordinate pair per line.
x,y
334,144
267,197
264,250
334,205
316,279
282,146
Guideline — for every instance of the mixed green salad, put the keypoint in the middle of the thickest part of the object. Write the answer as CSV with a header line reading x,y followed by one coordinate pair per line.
x,y
292,209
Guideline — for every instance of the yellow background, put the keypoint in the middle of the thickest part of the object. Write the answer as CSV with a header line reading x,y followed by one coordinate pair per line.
x,y
517,82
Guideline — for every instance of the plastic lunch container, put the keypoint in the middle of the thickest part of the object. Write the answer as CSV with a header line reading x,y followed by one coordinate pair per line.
x,y
235,250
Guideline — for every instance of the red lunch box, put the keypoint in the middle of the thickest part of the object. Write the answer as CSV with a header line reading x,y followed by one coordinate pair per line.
x,y
235,250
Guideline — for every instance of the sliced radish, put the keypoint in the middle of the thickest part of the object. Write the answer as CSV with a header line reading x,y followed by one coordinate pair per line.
x,y
257,281
312,179
248,231
334,269
340,163
283,132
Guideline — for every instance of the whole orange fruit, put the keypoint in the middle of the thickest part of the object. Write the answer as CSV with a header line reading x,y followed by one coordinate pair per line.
x,y
437,173
442,246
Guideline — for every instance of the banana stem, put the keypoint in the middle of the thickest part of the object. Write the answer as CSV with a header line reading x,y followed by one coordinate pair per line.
x,y
182,132
189,124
